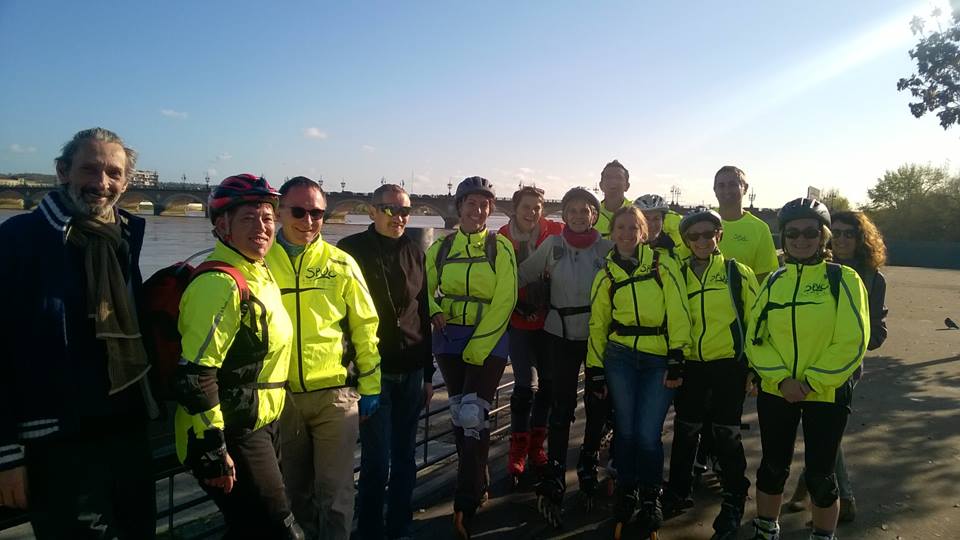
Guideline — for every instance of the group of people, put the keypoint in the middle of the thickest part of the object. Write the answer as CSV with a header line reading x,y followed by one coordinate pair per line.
x,y
292,348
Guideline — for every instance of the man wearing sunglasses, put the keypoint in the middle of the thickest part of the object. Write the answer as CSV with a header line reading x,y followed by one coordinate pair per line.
x,y
334,357
393,266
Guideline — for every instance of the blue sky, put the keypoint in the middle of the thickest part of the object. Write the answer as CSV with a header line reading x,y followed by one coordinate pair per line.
x,y
796,93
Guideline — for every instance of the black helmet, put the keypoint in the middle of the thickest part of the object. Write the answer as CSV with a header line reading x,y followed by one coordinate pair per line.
x,y
803,208
580,194
475,185
698,214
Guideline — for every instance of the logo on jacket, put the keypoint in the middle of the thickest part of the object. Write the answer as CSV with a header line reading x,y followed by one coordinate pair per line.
x,y
720,277
320,273
815,288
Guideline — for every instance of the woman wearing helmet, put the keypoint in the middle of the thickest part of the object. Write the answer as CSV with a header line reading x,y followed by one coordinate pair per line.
x,y
715,371
639,330
855,242
570,261
806,337
236,352
473,272
660,219
530,401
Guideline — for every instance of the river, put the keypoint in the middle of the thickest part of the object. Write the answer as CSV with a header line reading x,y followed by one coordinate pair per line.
x,y
169,239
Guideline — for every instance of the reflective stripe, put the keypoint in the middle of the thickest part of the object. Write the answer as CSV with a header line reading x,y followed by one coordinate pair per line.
x,y
11,453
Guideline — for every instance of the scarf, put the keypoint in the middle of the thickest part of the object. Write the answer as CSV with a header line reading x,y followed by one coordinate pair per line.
x,y
524,241
581,240
109,299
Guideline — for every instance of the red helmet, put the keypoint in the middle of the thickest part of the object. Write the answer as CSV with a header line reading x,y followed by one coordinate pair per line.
x,y
240,189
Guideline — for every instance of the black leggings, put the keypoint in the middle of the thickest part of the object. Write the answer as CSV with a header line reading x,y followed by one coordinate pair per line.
x,y
566,357
712,391
823,425
471,389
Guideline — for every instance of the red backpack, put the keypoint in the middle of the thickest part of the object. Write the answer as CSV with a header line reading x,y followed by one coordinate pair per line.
x,y
161,311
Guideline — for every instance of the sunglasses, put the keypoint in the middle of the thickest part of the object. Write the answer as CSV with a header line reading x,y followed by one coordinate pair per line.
x,y
707,235
845,233
392,210
809,233
316,214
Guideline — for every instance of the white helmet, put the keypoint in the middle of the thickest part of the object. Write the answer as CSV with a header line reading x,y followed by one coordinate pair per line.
x,y
651,203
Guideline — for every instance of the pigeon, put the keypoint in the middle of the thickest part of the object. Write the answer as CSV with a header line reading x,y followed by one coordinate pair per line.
x,y
950,324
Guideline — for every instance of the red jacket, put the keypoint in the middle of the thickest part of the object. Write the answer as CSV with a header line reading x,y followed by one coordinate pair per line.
x,y
547,228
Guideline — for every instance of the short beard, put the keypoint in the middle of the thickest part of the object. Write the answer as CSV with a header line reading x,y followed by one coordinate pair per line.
x,y
86,209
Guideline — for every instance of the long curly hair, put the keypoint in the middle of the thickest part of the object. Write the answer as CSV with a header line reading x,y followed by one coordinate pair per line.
x,y
871,250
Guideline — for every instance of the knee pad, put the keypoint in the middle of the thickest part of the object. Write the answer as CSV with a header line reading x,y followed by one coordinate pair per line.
x,y
770,479
823,488
455,409
521,394
472,415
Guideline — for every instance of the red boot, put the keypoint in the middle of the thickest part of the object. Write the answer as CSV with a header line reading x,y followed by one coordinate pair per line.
x,y
538,456
517,458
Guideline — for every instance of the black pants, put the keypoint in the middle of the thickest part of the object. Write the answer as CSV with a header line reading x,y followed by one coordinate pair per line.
x,y
257,507
711,391
566,358
95,486
823,425
473,386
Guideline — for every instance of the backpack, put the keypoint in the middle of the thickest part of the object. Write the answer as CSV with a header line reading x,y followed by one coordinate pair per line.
x,y
489,252
161,312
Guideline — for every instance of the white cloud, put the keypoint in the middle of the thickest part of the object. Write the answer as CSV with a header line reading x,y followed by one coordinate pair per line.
x,y
314,133
224,156
170,113
367,148
20,149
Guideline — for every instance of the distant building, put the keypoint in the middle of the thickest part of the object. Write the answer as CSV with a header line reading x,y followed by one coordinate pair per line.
x,y
147,179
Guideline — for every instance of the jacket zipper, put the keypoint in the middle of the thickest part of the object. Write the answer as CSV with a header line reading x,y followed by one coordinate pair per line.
x,y
636,308
703,314
793,316
296,281
467,281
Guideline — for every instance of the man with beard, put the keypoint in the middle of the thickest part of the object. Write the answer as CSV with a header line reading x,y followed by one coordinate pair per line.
x,y
74,402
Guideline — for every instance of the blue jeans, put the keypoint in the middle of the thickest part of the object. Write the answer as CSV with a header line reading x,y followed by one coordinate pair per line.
x,y
387,442
640,405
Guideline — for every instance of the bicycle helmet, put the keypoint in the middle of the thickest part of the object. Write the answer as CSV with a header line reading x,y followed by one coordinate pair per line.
x,y
240,189
698,214
651,203
803,208
474,185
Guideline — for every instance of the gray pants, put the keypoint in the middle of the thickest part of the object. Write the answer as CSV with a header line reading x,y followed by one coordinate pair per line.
x,y
319,436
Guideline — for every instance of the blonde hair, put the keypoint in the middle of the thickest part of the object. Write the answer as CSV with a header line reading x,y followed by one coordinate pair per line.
x,y
636,214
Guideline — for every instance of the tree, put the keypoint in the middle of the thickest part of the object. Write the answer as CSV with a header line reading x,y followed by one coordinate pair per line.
x,y
936,83
908,184
835,201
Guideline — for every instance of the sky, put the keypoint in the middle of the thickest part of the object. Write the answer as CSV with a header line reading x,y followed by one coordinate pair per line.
x,y
536,92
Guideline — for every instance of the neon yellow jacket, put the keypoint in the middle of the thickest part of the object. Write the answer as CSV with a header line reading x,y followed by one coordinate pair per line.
x,y
604,221
671,226
716,330
323,291
486,298
640,302
796,330
210,319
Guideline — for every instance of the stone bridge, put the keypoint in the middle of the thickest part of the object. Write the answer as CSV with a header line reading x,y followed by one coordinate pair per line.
x,y
172,199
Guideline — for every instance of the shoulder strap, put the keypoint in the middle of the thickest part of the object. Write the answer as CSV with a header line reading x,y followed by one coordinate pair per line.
x,y
230,270
834,275
655,269
443,252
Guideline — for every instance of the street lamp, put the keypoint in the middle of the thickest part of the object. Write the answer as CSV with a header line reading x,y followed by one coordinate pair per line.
x,y
449,187
207,177
343,185
383,180
752,196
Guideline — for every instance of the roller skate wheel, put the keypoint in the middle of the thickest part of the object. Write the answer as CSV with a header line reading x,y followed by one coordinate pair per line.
x,y
618,531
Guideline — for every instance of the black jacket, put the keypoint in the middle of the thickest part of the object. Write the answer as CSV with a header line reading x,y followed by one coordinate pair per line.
x,y
404,328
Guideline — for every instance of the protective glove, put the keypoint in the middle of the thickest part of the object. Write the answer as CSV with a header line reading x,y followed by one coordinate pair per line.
x,y
207,457
674,364
595,380
369,404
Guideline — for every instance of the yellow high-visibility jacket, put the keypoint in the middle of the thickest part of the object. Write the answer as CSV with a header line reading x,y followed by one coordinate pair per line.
x,y
717,330
328,302
604,221
638,300
797,330
671,226
217,333
470,293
